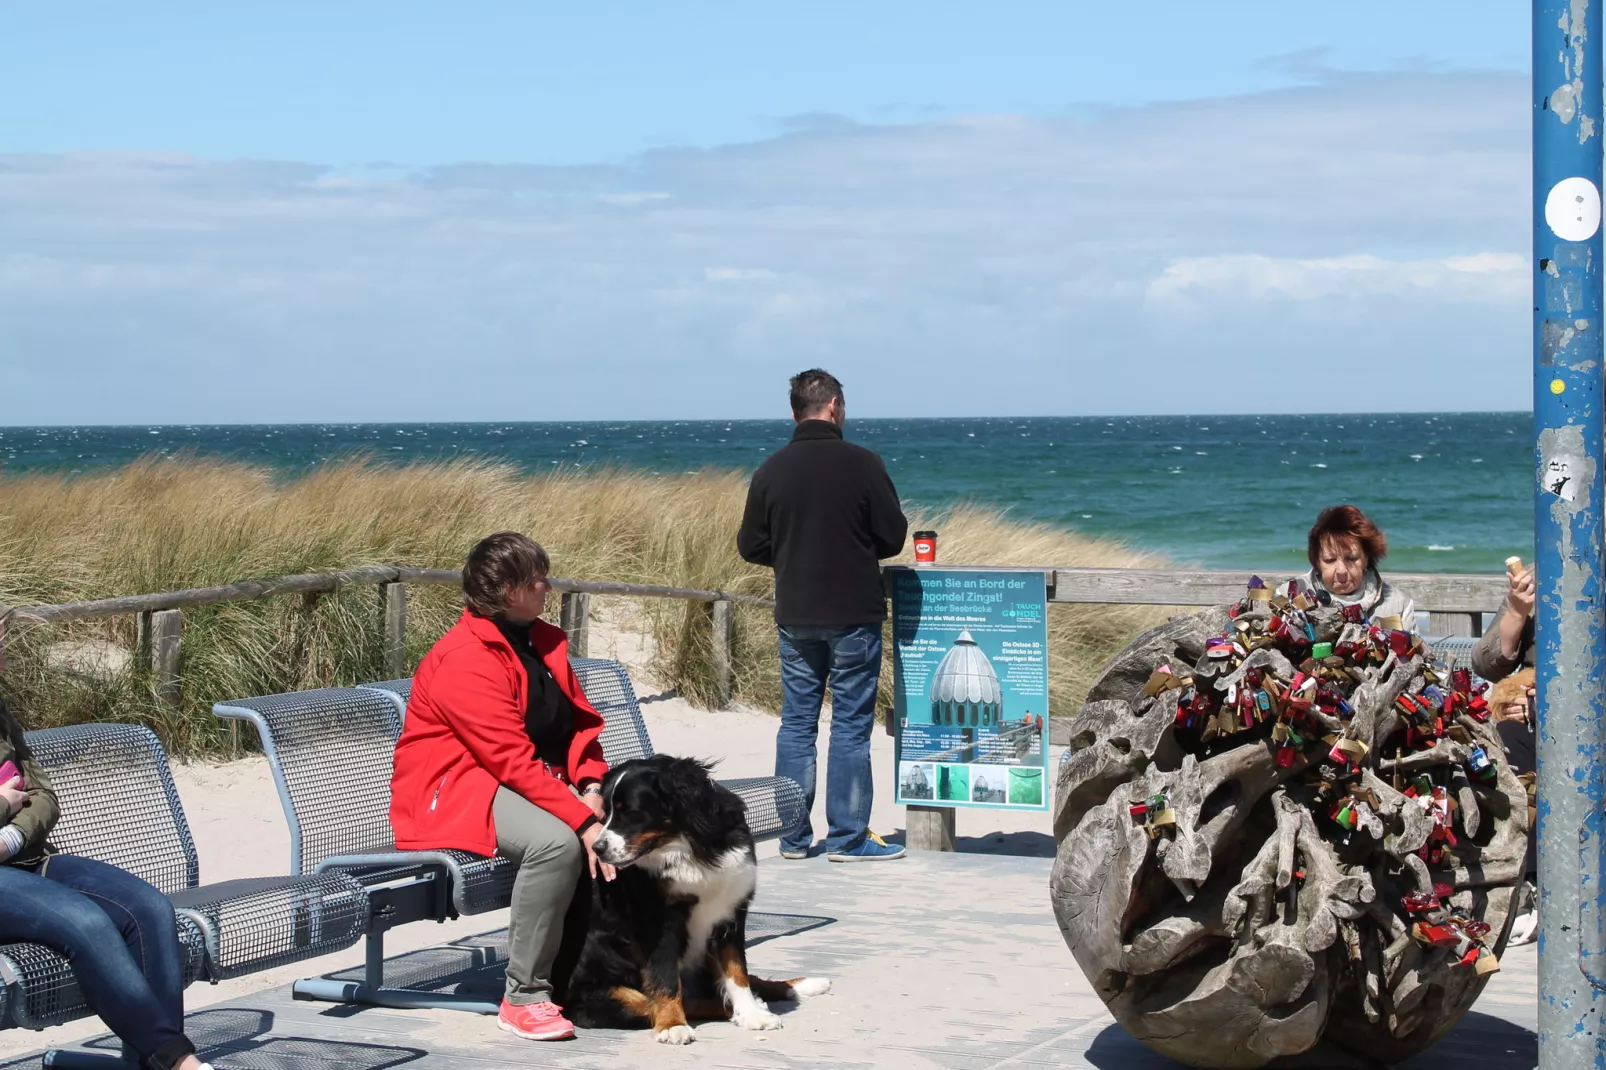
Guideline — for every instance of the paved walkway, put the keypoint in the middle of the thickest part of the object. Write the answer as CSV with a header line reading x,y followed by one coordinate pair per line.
x,y
937,961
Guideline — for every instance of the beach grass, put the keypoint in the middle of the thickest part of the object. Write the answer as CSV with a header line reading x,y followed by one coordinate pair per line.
x,y
165,524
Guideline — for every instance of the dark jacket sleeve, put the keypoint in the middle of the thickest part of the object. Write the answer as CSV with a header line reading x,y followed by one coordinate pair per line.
x,y
36,819
753,540
888,525
1488,661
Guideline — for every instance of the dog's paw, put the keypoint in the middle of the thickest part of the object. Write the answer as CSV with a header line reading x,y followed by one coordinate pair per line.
x,y
809,987
676,1034
759,1017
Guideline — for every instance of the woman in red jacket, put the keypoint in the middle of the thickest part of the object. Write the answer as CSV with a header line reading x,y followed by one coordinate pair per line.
x,y
501,755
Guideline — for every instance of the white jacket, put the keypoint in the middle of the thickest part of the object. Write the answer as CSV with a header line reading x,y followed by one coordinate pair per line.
x,y
1377,599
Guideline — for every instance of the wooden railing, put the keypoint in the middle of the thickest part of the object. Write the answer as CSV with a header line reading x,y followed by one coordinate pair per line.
x,y
160,618
1456,603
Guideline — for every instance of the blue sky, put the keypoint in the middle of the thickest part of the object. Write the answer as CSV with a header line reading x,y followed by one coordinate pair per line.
x,y
336,211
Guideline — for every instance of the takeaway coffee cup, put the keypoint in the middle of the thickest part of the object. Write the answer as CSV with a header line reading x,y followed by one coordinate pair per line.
x,y
925,547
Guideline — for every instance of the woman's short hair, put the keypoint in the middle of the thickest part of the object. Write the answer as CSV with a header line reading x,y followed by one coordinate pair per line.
x,y
1346,522
499,565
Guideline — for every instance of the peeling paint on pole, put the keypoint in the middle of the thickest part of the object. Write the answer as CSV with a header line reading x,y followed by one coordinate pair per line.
x,y
1568,498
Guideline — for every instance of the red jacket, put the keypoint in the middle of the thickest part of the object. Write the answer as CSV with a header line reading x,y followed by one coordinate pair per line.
x,y
465,736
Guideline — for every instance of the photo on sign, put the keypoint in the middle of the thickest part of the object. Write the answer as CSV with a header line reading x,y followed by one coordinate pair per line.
x,y
988,784
953,783
970,686
917,780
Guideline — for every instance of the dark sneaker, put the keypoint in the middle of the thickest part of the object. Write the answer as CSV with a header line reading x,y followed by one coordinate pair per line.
x,y
872,849
794,852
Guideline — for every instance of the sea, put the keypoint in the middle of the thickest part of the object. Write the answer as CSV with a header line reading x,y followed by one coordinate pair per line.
x,y
1452,491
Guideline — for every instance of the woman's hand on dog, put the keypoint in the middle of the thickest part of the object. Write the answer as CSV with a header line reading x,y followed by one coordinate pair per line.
x,y
12,797
589,839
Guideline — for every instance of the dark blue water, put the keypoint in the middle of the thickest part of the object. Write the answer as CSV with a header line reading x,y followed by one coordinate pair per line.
x,y
1452,491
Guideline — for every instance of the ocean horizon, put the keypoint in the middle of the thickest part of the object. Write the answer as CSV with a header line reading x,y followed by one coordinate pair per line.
x,y
1453,491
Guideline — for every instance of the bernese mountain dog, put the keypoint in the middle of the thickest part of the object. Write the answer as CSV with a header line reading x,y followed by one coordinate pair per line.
x,y
665,942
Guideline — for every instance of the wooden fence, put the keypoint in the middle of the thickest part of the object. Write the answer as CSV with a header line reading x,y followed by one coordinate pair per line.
x,y
1455,604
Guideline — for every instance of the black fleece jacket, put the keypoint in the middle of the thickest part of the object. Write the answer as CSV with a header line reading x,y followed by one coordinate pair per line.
x,y
822,512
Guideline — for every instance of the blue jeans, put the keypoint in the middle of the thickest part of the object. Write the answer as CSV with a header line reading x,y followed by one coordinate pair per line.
x,y
120,936
849,659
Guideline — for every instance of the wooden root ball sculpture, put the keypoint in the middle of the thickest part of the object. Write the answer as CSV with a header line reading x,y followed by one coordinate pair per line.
x,y
1282,830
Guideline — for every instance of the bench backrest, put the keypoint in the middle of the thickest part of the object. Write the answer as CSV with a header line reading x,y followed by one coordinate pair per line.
x,y
330,750
118,802
606,685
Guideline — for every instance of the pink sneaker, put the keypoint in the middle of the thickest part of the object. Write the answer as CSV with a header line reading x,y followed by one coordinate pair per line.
x,y
535,1021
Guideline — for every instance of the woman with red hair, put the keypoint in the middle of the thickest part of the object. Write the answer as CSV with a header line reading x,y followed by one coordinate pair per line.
x,y
1344,547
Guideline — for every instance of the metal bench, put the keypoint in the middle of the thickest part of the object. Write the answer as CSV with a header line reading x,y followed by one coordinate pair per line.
x,y
774,804
119,806
331,753
1454,650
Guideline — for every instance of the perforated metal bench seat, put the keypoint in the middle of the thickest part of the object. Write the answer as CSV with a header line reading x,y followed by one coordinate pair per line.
x,y
41,989
119,806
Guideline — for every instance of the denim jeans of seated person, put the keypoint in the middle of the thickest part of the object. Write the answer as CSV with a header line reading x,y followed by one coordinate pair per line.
x,y
120,936
849,660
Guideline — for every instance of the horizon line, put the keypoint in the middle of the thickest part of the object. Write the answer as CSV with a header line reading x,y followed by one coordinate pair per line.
x,y
759,419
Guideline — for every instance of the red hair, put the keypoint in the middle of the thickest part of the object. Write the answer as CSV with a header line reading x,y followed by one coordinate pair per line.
x,y
1346,522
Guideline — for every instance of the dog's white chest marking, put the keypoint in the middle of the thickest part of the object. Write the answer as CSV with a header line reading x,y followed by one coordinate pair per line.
x,y
718,889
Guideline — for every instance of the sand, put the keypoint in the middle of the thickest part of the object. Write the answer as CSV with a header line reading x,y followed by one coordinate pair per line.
x,y
240,830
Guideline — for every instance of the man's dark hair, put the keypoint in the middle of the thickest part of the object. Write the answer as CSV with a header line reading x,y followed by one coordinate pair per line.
x,y
499,565
812,391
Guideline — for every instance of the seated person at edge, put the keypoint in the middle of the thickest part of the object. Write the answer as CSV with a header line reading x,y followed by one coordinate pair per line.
x,y
1344,547
501,754
118,932
1508,644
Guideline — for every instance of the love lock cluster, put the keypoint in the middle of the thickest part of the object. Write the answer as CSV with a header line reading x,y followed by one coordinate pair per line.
x,y
1307,716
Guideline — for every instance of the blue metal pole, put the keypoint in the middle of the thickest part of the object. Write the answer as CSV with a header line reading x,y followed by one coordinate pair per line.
x,y
1569,615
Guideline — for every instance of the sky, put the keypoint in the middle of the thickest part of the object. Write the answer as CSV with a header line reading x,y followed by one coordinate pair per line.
x,y
299,212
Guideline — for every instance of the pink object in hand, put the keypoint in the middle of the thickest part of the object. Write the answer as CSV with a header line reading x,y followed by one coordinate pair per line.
x,y
10,772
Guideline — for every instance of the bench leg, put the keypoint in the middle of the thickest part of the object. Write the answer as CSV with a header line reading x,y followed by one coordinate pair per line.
x,y
373,993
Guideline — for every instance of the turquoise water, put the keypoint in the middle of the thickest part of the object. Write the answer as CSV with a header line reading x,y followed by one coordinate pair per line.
x,y
1453,491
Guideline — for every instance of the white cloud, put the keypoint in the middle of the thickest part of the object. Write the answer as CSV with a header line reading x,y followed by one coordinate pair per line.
x,y
732,274
1499,277
1089,263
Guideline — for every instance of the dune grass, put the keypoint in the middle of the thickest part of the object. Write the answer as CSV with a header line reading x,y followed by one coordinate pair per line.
x,y
165,524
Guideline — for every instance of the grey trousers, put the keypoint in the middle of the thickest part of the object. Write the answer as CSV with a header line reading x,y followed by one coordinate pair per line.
x,y
549,856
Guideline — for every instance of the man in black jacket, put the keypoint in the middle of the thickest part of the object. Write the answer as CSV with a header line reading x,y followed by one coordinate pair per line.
x,y
822,513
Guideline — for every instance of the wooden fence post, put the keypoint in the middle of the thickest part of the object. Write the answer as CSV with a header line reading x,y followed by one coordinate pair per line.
x,y
167,654
1442,624
575,619
142,641
930,828
392,628
724,622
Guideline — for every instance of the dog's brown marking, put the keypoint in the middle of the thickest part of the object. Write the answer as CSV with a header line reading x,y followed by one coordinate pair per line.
x,y
773,990
648,842
633,1001
728,960
666,1010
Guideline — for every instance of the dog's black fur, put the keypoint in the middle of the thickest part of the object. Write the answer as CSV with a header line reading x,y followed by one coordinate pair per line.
x,y
686,872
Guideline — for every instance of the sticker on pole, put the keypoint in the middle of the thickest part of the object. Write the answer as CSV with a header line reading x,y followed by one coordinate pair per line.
x,y
1572,209
1561,476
